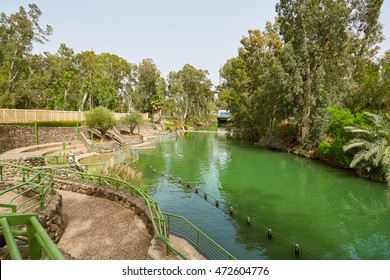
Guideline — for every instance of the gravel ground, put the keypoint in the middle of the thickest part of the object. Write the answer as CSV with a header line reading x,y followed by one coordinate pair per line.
x,y
98,229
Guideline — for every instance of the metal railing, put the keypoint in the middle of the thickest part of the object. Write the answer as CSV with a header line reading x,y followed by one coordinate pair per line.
x,y
37,186
37,238
181,227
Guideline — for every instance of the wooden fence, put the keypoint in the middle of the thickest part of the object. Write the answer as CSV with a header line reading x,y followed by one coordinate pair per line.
x,y
25,116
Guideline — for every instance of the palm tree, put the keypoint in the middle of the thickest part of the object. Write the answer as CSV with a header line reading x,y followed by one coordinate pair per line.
x,y
373,146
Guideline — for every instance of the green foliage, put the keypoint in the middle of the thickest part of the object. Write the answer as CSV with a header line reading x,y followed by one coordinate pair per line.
x,y
132,120
372,146
100,118
189,95
18,33
324,50
260,86
331,149
50,124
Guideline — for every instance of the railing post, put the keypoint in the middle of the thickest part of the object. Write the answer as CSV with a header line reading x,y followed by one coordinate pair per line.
x,y
9,238
36,133
78,131
1,173
41,197
33,245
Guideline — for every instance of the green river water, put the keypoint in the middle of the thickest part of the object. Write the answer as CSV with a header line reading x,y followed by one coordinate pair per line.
x,y
330,212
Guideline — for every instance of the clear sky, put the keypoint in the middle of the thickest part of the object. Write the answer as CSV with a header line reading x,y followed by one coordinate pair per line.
x,y
203,33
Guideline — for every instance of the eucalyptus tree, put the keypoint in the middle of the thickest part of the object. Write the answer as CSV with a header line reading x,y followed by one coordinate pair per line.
x,y
260,86
18,32
103,79
372,146
63,86
190,94
111,73
326,37
148,84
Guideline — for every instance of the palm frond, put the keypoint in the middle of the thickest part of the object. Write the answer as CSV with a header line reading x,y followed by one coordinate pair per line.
x,y
359,156
358,130
355,143
373,151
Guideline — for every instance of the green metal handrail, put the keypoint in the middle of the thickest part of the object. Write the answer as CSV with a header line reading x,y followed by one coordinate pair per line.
x,y
181,227
40,183
38,239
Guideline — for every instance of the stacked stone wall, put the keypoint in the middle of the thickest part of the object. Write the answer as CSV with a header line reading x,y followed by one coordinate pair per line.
x,y
14,136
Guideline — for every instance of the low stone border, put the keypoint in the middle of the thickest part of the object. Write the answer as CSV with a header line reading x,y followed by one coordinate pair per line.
x,y
51,218
23,160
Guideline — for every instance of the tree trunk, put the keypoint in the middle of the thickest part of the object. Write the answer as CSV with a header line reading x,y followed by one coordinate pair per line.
x,y
156,115
306,105
103,135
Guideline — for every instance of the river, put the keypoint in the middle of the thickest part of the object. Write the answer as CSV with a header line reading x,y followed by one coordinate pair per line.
x,y
332,213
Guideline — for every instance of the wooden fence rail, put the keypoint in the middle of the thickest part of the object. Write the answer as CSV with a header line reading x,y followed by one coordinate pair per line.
x,y
24,116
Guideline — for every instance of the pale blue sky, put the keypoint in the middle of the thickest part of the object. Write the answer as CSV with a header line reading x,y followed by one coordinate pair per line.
x,y
203,33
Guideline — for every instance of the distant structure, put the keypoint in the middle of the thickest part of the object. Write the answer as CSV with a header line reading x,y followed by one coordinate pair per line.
x,y
223,116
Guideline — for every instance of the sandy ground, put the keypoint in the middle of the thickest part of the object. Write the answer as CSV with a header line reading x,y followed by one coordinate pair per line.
x,y
98,229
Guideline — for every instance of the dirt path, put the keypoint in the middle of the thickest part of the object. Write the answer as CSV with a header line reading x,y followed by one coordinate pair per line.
x,y
98,229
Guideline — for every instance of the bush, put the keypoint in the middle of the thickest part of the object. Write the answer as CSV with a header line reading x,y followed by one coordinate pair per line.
x,y
331,149
101,119
132,120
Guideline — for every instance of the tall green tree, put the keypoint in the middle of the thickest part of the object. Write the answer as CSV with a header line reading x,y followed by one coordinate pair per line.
x,y
260,86
326,36
149,83
18,33
190,95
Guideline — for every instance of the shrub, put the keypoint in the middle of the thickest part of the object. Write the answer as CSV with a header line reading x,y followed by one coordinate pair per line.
x,y
132,120
101,119
331,149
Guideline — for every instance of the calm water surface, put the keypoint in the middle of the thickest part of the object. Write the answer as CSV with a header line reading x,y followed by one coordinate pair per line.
x,y
330,212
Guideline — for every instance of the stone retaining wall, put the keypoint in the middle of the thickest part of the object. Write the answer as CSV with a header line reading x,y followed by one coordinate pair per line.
x,y
14,136
133,139
25,161
104,147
